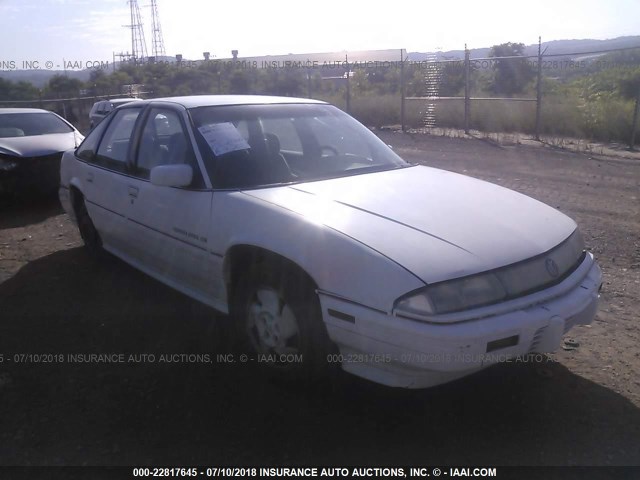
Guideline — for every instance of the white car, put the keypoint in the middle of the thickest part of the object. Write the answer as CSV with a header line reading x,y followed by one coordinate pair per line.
x,y
324,245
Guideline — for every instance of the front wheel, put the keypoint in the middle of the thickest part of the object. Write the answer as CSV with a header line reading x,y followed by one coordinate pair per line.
x,y
277,313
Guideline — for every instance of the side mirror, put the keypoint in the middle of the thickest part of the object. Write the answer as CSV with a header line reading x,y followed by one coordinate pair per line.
x,y
172,175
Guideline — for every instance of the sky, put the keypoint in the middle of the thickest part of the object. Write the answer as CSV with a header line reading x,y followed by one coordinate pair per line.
x,y
81,31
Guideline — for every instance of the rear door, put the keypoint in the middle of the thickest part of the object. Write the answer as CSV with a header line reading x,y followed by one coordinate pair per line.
x,y
105,176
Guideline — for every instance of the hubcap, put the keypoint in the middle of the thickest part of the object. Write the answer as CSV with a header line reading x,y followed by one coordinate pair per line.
x,y
271,323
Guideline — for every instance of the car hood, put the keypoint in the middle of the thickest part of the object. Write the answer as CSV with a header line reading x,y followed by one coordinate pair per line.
x,y
437,224
38,145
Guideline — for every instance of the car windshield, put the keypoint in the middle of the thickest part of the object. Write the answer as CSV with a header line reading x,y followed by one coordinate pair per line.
x,y
247,146
30,124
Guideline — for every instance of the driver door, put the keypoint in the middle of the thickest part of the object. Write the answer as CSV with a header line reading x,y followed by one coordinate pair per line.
x,y
171,224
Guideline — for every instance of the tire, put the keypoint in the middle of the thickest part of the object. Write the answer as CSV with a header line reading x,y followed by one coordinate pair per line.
x,y
88,232
277,317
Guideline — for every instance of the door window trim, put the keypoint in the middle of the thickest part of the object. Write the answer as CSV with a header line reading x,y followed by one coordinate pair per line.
x,y
126,164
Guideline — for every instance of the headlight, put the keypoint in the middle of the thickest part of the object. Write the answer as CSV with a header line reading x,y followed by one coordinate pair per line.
x,y
452,296
6,164
504,283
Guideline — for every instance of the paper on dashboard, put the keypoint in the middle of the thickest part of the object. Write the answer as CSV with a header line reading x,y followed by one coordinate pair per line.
x,y
223,138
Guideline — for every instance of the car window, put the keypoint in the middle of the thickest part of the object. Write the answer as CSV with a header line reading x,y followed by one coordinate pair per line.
x,y
243,128
165,142
101,108
114,147
166,124
88,148
285,130
334,140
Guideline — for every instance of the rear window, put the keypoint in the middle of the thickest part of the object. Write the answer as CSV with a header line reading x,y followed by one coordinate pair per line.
x,y
31,124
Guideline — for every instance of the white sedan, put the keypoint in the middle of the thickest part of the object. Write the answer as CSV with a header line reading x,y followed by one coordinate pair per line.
x,y
323,245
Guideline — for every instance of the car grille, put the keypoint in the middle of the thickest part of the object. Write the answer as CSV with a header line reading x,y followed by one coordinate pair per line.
x,y
535,274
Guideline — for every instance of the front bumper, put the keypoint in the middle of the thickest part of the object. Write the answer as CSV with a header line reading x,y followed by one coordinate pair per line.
x,y
31,175
400,352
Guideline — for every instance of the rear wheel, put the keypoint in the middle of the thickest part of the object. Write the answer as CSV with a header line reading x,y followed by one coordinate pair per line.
x,y
277,314
88,232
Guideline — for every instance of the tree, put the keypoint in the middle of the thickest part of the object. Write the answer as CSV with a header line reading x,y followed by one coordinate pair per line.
x,y
24,91
510,75
384,79
61,86
629,87
451,78
629,83
239,83
17,91
360,84
5,89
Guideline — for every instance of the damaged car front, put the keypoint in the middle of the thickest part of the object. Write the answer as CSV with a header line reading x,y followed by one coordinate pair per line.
x,y
32,142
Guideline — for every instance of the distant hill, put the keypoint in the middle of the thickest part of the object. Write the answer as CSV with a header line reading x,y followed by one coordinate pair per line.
x,y
553,47
571,48
39,78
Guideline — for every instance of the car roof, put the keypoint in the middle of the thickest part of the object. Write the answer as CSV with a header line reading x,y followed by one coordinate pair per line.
x,y
123,100
23,110
218,100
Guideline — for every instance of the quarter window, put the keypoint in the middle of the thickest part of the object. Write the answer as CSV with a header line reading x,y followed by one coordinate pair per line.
x,y
87,150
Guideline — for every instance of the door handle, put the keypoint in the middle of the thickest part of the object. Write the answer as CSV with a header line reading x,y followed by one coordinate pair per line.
x,y
90,177
133,191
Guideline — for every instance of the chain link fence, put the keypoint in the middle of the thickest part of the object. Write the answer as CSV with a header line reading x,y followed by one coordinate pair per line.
x,y
428,93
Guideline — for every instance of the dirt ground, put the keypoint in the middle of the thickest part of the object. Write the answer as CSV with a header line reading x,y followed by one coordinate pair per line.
x,y
579,406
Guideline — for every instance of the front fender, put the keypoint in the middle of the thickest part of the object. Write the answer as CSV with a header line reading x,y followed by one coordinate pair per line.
x,y
70,179
338,264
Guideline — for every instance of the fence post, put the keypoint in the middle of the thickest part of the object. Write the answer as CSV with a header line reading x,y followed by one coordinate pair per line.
x,y
467,101
539,90
634,124
402,91
346,59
